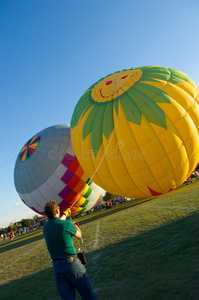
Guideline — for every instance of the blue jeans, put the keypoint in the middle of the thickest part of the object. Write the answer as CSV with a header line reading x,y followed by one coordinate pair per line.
x,y
71,276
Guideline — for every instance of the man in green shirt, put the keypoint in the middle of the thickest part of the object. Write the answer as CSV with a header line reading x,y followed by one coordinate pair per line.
x,y
70,273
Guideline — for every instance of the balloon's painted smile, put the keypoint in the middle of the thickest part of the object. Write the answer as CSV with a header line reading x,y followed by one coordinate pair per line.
x,y
115,85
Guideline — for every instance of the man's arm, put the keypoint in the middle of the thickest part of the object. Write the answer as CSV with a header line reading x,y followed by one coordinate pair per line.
x,y
79,233
66,214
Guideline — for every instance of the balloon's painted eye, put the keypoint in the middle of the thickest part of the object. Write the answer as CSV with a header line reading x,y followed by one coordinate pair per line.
x,y
108,82
124,77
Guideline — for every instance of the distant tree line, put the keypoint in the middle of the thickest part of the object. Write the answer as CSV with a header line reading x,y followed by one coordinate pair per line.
x,y
108,196
20,224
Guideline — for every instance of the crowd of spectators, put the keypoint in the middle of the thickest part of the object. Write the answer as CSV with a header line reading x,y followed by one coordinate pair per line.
x,y
20,231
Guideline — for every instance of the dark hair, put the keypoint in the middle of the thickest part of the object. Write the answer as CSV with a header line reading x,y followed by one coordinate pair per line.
x,y
50,209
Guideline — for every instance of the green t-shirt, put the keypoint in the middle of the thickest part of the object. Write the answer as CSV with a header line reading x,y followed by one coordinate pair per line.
x,y
58,235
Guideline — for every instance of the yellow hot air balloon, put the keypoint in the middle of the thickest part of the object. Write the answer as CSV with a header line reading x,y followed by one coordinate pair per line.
x,y
135,132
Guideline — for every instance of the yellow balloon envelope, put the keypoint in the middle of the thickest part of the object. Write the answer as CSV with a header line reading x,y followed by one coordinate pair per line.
x,y
135,132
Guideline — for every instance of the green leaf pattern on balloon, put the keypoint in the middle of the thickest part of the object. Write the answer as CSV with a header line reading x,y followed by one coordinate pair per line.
x,y
140,99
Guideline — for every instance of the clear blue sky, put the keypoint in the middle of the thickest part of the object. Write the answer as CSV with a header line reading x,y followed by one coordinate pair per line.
x,y
51,51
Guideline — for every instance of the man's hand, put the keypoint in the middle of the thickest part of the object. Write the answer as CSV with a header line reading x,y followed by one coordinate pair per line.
x,y
67,212
76,224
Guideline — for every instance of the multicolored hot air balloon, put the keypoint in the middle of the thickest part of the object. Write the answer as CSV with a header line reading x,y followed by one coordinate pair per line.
x,y
135,132
47,169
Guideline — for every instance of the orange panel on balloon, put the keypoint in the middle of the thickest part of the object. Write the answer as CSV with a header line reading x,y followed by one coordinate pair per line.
x,y
79,186
74,165
79,172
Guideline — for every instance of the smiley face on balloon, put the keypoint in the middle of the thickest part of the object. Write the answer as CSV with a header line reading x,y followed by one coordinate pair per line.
x,y
115,85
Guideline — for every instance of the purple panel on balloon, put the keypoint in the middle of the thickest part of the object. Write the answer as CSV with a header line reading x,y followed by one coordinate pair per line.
x,y
65,192
25,202
40,212
34,209
63,204
66,161
67,176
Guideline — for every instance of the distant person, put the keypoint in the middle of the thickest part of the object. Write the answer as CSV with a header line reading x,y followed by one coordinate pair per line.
x,y
195,174
11,234
70,273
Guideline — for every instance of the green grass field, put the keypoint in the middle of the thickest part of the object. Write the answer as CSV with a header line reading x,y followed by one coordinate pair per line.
x,y
147,249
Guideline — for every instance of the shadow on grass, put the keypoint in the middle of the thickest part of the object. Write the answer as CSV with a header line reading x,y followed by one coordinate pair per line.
x,y
22,240
37,286
159,264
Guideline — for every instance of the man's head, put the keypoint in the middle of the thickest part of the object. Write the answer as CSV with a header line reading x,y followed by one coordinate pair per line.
x,y
51,209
